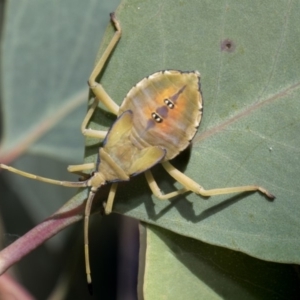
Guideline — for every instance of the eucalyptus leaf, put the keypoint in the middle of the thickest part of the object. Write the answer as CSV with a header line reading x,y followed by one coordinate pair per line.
x,y
248,56
247,53
48,53
177,267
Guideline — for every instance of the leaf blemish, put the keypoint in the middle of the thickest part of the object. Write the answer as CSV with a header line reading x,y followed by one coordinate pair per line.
x,y
227,45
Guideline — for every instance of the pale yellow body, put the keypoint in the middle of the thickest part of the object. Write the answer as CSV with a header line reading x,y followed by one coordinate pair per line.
x,y
157,120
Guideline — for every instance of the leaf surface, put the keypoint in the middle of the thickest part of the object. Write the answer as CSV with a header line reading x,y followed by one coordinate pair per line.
x,y
177,267
247,55
48,52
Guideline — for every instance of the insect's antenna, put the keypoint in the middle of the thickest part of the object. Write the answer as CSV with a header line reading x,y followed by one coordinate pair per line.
x,y
86,237
45,179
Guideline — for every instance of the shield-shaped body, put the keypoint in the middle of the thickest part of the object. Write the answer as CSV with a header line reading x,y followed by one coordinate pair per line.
x,y
157,120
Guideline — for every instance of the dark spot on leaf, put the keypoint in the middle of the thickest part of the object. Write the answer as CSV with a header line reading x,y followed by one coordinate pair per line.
x,y
227,45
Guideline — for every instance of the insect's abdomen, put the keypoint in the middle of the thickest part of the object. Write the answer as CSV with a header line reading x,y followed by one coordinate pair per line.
x,y
167,108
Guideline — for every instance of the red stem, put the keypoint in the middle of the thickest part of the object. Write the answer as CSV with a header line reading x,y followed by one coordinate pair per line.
x,y
70,213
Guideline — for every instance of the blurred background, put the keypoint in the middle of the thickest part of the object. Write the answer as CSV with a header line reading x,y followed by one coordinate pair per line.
x,y
47,53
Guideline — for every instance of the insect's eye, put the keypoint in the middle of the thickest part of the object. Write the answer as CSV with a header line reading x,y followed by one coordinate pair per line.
x,y
169,103
156,117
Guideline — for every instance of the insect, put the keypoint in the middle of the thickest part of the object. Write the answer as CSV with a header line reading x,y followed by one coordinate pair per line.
x,y
156,121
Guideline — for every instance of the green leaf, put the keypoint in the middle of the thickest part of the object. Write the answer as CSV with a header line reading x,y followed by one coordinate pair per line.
x,y
247,53
177,267
48,52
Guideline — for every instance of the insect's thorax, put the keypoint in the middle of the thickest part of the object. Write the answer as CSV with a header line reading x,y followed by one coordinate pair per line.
x,y
121,156
116,157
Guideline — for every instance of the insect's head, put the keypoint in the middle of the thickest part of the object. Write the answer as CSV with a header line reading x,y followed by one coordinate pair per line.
x,y
96,181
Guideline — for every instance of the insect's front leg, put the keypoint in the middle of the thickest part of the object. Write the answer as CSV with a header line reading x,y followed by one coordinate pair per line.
x,y
79,169
111,197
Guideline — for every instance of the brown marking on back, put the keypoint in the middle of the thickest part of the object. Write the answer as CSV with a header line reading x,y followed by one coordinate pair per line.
x,y
163,111
175,96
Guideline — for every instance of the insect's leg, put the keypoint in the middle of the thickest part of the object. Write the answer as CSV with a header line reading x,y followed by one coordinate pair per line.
x,y
96,87
80,168
97,134
156,190
198,189
110,199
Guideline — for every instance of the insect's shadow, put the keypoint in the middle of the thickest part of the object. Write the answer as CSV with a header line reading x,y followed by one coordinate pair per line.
x,y
136,192
186,208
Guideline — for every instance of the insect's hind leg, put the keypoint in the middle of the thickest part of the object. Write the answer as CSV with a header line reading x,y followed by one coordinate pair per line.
x,y
193,186
96,87
97,134
156,190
